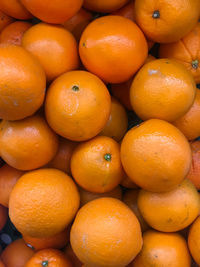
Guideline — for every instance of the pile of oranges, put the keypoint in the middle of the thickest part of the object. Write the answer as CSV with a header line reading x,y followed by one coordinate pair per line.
x,y
99,128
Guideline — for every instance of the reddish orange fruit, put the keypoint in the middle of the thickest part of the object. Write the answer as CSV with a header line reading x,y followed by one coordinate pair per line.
x,y
5,20
72,256
1,264
128,183
194,173
3,216
126,11
103,5
194,240
15,9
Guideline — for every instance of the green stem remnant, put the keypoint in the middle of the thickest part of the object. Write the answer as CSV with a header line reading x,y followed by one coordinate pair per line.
x,y
75,88
156,14
195,64
107,157
45,263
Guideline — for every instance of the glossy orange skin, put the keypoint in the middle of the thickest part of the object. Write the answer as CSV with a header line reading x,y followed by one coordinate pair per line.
x,y
72,257
194,173
104,5
16,254
27,144
8,178
22,91
188,124
56,12
14,9
154,164
95,173
113,48
62,159
54,47
194,240
86,196
43,215
130,199
186,51
81,113
113,227
171,211
162,89
78,22
163,249
3,216
53,257
13,33
5,20
175,21
1,264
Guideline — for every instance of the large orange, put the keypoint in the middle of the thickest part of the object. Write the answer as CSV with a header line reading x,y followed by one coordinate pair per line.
x,y
54,47
186,51
8,178
162,89
14,9
96,164
56,11
171,211
77,105
194,240
194,173
188,124
163,249
166,21
156,155
43,202
113,48
5,20
72,257
27,144
104,5
3,216
22,83
109,231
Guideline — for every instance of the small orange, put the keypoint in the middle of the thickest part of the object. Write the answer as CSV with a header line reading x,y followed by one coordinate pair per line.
x,y
13,33
194,173
156,155
15,9
77,105
27,144
2,264
99,167
43,202
5,20
54,47
22,91
166,21
57,11
130,199
163,249
86,196
8,178
188,124
104,6
78,22
171,211
194,240
3,216
117,123
16,254
113,48
72,257
162,89
103,227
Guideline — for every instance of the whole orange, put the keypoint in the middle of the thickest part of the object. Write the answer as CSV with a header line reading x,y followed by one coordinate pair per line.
x,y
194,240
113,48
43,202
15,9
102,227
22,83
3,216
104,5
194,173
171,211
27,144
77,105
5,20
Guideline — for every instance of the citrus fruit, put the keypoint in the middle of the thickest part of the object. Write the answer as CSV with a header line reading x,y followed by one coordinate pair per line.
x,y
194,240
15,9
1,264
194,173
5,20
72,257
3,216
103,5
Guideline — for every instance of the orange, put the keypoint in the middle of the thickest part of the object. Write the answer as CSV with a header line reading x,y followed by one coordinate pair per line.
x,y
22,91
8,178
54,47
77,105
126,11
194,240
162,89
16,254
194,173
96,165
78,22
104,6
156,155
113,48
103,227
166,21
163,249
62,159
188,124
171,211
186,51
13,33
128,183
15,9
3,216
27,144
72,257
1,264
130,199
5,20
57,11
117,123
43,202
86,196
57,241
